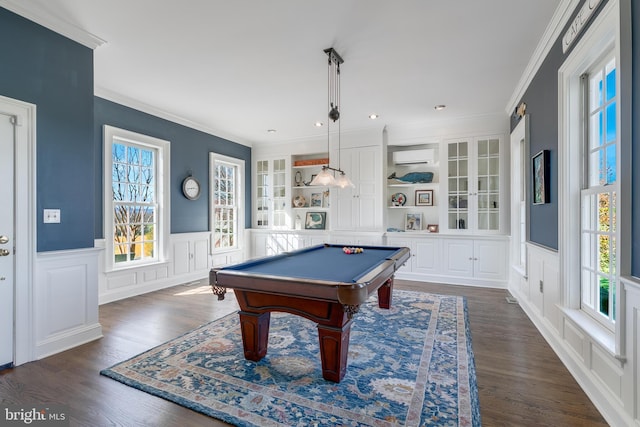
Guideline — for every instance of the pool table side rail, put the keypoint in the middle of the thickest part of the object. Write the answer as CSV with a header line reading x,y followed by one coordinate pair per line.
x,y
351,293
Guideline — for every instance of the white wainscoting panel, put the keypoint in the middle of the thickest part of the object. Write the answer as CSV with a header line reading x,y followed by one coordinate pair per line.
x,y
607,369
65,300
190,260
611,381
631,388
575,339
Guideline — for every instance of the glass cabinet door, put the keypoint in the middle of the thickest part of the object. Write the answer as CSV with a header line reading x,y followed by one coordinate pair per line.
x,y
458,185
488,191
271,194
262,193
279,195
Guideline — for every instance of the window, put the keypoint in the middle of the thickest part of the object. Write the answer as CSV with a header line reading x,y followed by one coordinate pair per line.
x,y
599,193
136,213
594,177
227,211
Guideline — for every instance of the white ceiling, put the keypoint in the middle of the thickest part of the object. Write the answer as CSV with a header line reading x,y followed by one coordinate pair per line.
x,y
236,68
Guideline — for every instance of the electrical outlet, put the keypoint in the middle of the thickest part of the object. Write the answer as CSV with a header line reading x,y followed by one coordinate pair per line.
x,y
51,216
541,285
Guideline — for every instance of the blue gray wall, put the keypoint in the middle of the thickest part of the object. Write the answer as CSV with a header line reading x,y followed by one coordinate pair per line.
x,y
635,119
541,98
189,155
42,67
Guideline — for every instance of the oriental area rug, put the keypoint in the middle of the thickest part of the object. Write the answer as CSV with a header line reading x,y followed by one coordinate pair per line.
x,y
411,365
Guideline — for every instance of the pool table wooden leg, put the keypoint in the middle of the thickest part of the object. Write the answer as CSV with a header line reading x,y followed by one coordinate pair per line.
x,y
334,348
255,334
385,293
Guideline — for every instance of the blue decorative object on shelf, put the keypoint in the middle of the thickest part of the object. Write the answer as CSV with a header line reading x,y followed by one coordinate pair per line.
x,y
413,177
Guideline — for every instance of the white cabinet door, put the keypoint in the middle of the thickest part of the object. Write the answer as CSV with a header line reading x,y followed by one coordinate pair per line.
x,y
191,254
458,257
360,208
490,259
368,212
200,252
181,264
345,216
427,256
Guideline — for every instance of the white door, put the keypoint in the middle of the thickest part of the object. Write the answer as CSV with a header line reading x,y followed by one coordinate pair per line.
x,y
368,212
6,240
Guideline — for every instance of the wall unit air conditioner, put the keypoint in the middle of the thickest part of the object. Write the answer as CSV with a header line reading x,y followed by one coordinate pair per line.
x,y
409,157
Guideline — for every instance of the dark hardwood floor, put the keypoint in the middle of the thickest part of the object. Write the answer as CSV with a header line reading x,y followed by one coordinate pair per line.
x,y
521,381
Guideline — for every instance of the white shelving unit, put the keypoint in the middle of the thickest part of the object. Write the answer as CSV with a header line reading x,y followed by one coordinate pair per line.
x,y
397,214
308,198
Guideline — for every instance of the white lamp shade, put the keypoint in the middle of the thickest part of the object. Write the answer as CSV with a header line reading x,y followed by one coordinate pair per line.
x,y
324,179
343,181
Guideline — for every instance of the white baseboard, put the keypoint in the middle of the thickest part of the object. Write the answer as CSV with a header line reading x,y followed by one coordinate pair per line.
x,y
68,339
119,294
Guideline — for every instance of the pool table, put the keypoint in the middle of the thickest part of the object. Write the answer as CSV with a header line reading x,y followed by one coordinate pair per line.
x,y
320,283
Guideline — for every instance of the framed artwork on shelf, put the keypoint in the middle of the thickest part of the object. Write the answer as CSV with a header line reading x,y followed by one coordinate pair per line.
x,y
315,221
433,228
424,197
540,168
413,222
316,200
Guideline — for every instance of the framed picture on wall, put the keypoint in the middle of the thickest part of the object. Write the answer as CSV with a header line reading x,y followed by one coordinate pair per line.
x,y
424,197
540,170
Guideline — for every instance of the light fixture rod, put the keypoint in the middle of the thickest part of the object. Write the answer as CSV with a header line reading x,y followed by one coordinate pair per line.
x,y
333,169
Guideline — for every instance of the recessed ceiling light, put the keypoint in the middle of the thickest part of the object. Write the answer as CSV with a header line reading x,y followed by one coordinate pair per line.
x,y
271,130
373,116
319,124
440,107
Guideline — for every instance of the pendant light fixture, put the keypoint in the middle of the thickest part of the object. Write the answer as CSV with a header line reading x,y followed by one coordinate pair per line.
x,y
326,177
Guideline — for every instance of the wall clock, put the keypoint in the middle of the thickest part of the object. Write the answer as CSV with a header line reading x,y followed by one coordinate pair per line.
x,y
191,188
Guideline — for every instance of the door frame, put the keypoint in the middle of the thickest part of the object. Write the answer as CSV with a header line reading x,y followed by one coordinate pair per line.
x,y
25,225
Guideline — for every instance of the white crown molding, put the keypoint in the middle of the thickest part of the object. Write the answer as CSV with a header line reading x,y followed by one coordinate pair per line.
x,y
60,26
556,25
155,111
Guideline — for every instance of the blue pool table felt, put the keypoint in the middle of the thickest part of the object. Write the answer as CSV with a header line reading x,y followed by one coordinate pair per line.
x,y
327,263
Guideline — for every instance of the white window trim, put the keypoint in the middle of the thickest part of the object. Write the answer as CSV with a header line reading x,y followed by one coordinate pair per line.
x,y
240,196
519,184
601,37
163,195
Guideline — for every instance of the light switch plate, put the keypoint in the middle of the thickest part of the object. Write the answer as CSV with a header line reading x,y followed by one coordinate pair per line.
x,y
51,216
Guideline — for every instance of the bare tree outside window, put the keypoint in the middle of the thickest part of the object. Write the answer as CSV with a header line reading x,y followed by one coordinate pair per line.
x,y
225,176
134,202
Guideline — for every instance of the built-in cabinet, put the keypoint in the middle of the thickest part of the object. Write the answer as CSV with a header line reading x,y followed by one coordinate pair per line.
x,y
271,193
417,201
481,260
473,185
360,208
190,253
309,202
478,258
460,189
